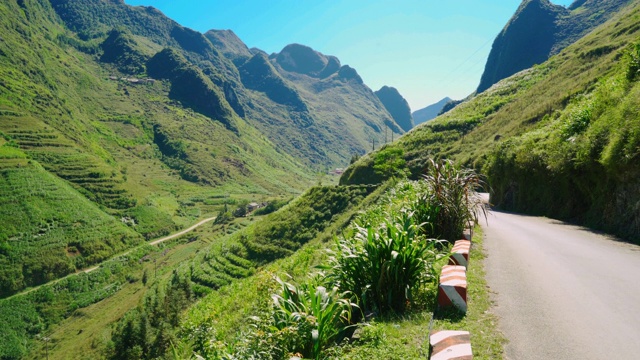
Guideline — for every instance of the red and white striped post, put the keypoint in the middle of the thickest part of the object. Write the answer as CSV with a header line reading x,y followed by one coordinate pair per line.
x,y
460,253
452,291
449,345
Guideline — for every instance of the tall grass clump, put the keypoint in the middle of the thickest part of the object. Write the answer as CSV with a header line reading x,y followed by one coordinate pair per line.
x,y
454,193
383,264
302,321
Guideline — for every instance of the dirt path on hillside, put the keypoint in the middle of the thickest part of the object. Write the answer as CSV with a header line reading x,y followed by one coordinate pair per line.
x,y
88,270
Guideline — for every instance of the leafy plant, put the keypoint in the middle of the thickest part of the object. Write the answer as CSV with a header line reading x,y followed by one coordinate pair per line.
x,y
633,69
383,264
326,313
454,192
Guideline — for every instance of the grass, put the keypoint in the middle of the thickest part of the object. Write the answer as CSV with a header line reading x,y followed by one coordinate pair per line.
x,y
49,230
222,320
87,330
554,140
486,340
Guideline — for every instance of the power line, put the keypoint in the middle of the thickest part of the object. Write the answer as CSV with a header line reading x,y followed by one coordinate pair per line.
x,y
446,77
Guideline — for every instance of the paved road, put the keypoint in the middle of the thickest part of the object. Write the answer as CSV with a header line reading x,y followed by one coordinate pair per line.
x,y
562,291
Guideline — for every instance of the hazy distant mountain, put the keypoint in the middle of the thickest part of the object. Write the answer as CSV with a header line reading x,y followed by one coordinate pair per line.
x,y
429,112
540,29
397,106
118,106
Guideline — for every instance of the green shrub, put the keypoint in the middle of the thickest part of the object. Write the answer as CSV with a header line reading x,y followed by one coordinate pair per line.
x,y
454,192
383,265
323,314
390,162
633,69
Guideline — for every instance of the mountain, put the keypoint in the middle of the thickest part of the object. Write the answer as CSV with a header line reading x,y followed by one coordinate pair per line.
x,y
229,44
118,124
397,106
540,29
429,112
559,139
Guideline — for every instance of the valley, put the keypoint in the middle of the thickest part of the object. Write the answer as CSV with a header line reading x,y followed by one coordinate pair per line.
x,y
169,194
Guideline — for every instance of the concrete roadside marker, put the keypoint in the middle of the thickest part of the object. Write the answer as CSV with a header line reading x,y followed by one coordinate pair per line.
x,y
449,345
460,253
452,291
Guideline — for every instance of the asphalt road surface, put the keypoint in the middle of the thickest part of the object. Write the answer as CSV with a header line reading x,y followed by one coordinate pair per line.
x,y
562,291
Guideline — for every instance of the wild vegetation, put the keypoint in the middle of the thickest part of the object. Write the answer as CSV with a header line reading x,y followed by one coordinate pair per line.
x,y
384,264
570,154
93,162
151,328
540,29
24,317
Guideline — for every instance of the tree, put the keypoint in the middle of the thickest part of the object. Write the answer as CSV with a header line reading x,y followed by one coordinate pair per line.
x,y
390,162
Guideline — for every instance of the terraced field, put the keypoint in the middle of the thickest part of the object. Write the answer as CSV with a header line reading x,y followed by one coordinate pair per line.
x,y
87,173
47,227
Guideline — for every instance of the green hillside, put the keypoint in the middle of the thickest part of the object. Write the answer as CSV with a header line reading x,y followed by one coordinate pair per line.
x,y
47,229
559,139
540,29
88,149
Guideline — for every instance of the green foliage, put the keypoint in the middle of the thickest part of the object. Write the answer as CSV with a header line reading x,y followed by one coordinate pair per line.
x,y
121,49
147,331
454,192
633,55
383,264
150,222
272,206
287,230
317,315
24,316
389,162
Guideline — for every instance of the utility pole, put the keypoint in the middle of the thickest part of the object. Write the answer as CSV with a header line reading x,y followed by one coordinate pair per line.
x,y
46,344
373,144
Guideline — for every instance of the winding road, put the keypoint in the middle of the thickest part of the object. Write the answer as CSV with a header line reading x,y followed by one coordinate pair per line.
x,y
88,270
562,291
163,239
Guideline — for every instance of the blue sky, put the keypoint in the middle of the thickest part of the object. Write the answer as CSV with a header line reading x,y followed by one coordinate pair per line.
x,y
427,49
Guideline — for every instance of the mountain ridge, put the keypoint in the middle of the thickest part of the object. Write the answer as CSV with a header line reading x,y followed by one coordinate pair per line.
x,y
540,29
138,115
429,112
397,106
